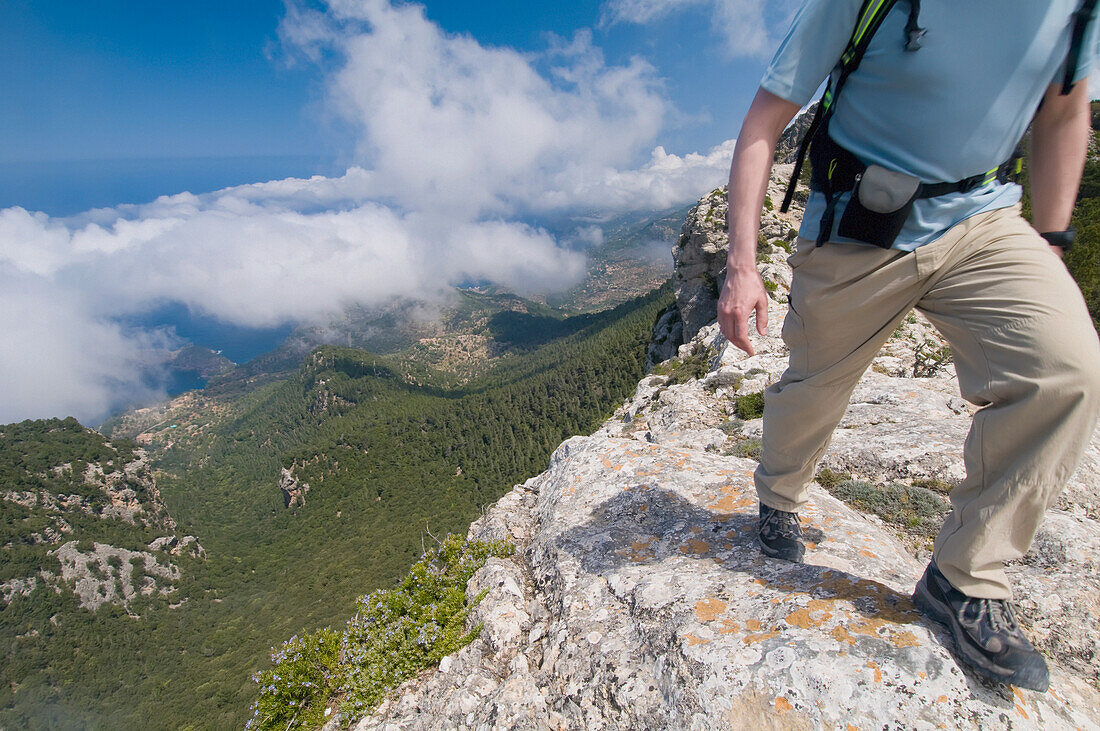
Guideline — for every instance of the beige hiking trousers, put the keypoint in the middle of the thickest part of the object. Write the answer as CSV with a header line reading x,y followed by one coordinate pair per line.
x,y
1025,351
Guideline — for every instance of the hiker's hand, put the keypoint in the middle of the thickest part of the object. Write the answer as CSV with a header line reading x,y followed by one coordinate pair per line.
x,y
742,294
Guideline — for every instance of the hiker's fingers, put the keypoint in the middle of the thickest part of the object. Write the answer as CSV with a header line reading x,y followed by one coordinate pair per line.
x,y
742,294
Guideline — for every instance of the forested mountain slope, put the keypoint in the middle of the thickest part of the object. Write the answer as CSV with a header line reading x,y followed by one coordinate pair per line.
x,y
388,454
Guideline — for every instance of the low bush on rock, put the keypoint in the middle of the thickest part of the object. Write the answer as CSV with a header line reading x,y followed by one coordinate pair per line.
x,y
395,634
748,449
916,509
295,692
684,369
749,406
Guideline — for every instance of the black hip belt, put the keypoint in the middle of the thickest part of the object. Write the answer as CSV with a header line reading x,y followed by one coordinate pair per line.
x,y
826,155
881,199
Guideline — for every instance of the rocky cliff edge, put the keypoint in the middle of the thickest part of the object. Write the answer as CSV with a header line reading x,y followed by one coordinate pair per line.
x,y
637,598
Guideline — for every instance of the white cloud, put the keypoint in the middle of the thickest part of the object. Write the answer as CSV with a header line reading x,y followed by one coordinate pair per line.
x,y
458,142
666,180
59,361
449,122
747,27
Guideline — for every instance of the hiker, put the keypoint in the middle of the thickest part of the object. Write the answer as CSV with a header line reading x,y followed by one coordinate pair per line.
x,y
912,206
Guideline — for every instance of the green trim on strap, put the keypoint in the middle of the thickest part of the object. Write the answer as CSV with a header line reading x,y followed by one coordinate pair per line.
x,y
865,21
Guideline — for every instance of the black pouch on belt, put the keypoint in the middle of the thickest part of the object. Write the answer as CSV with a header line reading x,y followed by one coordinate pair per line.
x,y
880,203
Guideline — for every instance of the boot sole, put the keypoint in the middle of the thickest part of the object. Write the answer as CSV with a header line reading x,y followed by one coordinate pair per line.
x,y
972,657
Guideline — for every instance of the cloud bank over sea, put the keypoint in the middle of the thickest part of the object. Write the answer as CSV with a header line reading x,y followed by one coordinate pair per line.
x,y
459,146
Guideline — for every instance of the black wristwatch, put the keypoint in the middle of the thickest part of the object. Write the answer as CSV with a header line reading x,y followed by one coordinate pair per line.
x,y
1061,239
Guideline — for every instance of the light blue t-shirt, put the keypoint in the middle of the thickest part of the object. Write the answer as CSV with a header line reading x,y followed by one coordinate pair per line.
x,y
953,109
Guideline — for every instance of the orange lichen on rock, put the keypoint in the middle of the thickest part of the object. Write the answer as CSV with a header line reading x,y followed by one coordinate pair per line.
x,y
693,640
840,634
695,546
878,671
883,630
782,705
814,614
753,639
639,551
732,500
728,626
708,609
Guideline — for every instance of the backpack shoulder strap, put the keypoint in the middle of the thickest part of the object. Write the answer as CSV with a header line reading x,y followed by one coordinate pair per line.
x,y
1081,19
871,15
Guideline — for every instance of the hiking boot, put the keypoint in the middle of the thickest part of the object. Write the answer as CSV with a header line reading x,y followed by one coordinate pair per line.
x,y
987,636
780,534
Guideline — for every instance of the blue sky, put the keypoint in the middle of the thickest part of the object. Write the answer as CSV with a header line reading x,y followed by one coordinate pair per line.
x,y
147,79
141,79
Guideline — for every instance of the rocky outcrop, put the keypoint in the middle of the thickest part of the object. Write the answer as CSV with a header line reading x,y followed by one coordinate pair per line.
x,y
294,491
668,335
129,494
787,148
79,508
17,587
176,546
700,254
637,598
110,575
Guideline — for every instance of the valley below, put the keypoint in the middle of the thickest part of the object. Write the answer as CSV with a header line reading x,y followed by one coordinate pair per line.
x,y
150,566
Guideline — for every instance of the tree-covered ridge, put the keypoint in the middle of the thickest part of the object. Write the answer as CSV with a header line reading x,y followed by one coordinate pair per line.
x,y
85,543
390,450
30,449
62,482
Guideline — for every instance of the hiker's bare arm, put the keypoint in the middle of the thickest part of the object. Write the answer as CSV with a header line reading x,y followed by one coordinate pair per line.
x,y
743,291
1059,142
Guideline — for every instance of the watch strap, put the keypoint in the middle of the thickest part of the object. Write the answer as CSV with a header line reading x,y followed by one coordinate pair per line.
x,y
1062,239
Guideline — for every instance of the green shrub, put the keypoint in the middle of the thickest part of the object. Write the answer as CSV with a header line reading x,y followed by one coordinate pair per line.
x,y
748,448
935,484
763,248
915,508
682,370
749,406
295,692
731,426
929,359
829,479
395,634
